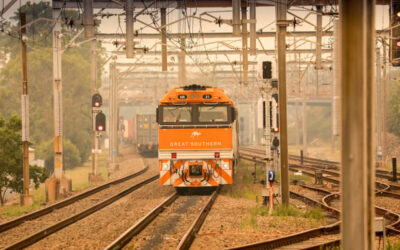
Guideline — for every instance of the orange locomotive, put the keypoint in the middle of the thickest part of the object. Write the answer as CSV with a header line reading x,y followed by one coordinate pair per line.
x,y
198,137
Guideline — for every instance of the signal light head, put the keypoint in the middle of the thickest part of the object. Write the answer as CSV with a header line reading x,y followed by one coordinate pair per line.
x,y
398,14
97,100
173,155
216,155
398,43
100,128
275,129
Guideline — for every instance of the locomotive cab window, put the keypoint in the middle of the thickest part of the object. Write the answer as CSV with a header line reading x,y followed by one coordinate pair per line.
x,y
213,114
177,114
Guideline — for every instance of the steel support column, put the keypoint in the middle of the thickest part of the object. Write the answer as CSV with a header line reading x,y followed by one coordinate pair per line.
x,y
384,96
182,63
93,48
318,47
129,45
369,18
164,59
253,35
113,116
281,22
57,97
88,22
244,47
236,17
357,43
335,85
26,199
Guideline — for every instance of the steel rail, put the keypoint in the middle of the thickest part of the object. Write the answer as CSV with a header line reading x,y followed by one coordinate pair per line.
x,y
293,238
31,239
60,204
304,235
332,164
332,244
126,236
188,238
293,167
327,199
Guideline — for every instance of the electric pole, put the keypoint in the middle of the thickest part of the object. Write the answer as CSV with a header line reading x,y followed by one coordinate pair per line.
x,y
282,23
26,199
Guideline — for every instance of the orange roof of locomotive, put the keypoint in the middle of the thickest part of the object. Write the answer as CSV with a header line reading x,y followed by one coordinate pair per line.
x,y
195,96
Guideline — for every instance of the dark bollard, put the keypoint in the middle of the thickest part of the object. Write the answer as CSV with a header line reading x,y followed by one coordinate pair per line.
x,y
394,171
301,157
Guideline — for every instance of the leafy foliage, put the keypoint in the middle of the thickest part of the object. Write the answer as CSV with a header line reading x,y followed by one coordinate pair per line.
x,y
76,86
393,113
11,159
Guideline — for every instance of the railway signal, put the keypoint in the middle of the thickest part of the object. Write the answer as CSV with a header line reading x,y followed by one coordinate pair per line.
x,y
97,101
100,122
267,70
395,34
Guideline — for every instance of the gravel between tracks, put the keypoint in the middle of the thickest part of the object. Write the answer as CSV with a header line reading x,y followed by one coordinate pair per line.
x,y
101,228
133,163
230,223
166,231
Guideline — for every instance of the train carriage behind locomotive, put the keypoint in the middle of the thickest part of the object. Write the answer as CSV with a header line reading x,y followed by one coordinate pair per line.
x,y
198,137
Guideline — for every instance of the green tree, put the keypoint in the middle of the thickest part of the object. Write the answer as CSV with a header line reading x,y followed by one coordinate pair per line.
x,y
393,111
11,159
75,78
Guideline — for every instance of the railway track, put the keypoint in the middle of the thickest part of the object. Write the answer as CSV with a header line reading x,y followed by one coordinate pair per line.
x,y
304,237
325,164
144,222
45,232
317,238
63,203
391,190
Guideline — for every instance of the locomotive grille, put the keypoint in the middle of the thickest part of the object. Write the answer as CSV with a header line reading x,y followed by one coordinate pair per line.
x,y
195,170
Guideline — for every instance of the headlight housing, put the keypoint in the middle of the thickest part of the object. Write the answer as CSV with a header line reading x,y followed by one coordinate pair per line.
x,y
165,166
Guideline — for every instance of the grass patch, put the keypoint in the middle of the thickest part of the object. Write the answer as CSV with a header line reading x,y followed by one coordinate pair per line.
x,y
281,210
315,213
249,222
281,214
304,178
243,183
392,245
79,175
80,181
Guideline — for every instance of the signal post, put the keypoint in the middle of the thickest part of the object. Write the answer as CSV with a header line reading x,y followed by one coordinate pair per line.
x,y
99,125
57,185
271,130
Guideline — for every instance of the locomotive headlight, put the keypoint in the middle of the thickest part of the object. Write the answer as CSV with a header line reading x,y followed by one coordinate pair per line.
x,y
165,166
225,165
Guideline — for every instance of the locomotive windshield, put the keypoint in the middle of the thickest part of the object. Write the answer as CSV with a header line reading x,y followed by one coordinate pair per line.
x,y
177,114
213,114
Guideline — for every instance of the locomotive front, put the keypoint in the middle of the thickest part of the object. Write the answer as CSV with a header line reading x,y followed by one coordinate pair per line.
x,y
198,141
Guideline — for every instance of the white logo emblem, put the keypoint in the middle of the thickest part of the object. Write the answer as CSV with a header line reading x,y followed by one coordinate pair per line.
x,y
195,134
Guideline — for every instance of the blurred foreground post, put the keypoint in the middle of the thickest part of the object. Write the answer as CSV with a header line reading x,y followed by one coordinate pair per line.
x,y
357,52
282,23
